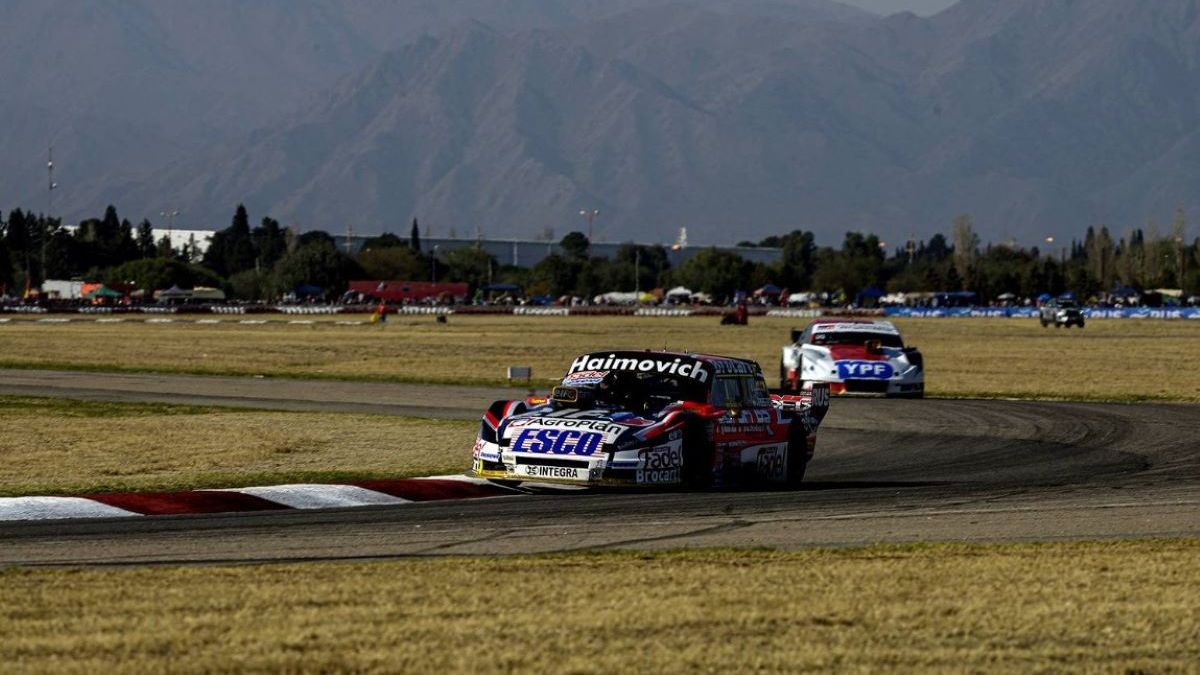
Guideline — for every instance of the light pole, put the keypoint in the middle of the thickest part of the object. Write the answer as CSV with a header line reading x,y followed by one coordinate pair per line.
x,y
50,185
169,216
433,265
591,216
637,269
1179,266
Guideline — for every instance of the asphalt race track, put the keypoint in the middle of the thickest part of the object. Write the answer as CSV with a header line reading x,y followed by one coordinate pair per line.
x,y
886,471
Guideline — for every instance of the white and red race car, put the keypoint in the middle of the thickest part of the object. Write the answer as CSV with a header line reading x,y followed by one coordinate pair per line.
x,y
854,357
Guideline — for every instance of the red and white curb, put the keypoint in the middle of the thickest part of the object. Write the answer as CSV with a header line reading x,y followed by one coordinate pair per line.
x,y
265,498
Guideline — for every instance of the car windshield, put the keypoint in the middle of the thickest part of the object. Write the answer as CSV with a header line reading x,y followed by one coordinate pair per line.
x,y
856,338
647,392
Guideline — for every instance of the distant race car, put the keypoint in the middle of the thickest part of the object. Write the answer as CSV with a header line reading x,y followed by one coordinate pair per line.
x,y
1060,312
853,357
653,419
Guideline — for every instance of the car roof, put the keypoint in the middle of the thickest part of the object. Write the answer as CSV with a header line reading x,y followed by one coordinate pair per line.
x,y
850,325
720,365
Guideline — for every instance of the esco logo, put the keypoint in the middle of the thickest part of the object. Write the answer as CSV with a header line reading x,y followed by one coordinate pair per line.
x,y
858,370
558,441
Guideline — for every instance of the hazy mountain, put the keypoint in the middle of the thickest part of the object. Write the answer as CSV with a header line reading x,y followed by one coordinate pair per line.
x,y
734,119
120,87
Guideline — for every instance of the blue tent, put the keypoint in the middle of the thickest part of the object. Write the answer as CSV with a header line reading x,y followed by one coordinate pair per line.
x,y
1044,297
503,288
304,290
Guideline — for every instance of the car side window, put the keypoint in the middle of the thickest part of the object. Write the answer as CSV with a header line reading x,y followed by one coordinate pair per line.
x,y
727,392
758,395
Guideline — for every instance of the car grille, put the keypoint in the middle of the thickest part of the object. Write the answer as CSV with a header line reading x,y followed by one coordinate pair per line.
x,y
867,386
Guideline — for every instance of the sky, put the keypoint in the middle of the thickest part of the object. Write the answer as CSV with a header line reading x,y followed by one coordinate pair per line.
x,y
885,7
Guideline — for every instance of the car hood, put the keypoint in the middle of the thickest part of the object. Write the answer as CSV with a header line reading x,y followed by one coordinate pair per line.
x,y
610,424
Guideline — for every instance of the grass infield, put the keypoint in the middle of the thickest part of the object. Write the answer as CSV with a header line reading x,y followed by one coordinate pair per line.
x,y
54,446
1111,607
1114,360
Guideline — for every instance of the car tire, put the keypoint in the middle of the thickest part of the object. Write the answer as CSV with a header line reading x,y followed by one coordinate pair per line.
x,y
697,473
797,457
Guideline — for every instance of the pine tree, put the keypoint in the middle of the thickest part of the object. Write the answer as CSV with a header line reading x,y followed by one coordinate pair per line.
x,y
415,237
145,240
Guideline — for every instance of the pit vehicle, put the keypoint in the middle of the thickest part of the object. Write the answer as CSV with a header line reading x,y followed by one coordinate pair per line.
x,y
852,357
1060,312
653,419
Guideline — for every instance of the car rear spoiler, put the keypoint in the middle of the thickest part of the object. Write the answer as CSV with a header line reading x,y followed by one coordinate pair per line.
x,y
814,401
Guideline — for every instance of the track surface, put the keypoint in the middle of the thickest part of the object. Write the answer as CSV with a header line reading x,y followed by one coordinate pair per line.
x,y
886,471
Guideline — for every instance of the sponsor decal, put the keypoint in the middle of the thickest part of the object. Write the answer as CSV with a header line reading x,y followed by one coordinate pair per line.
x,y
561,472
771,462
656,476
602,426
584,378
732,367
480,444
648,363
885,328
860,370
818,397
558,442
661,457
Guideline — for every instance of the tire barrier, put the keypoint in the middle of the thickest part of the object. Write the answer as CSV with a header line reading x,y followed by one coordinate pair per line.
x,y
541,311
414,309
310,309
662,311
227,309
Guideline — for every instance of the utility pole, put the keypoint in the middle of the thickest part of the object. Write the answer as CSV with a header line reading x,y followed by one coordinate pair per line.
x,y
349,239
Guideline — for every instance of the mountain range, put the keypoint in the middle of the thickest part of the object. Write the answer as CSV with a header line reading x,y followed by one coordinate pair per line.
x,y
733,118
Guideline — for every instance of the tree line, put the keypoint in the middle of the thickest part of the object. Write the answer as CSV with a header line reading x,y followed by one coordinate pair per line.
x,y
267,261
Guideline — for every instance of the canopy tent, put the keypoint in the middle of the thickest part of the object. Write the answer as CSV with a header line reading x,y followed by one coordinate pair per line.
x,y
769,289
174,293
679,290
1044,297
868,297
103,292
1006,296
304,290
205,293
623,298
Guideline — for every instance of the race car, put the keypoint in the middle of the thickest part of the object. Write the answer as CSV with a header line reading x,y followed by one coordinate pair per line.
x,y
853,357
653,419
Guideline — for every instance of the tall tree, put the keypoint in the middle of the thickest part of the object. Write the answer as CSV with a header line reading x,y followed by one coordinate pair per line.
x,y
145,240
270,243
415,237
966,248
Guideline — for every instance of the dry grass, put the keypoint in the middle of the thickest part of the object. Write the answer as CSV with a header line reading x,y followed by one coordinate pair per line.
x,y
1109,360
52,446
1111,607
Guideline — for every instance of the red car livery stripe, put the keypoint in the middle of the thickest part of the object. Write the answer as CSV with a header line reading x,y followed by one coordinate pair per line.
x,y
855,353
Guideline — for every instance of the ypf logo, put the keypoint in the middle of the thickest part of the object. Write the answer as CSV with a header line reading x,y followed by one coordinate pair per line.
x,y
864,370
